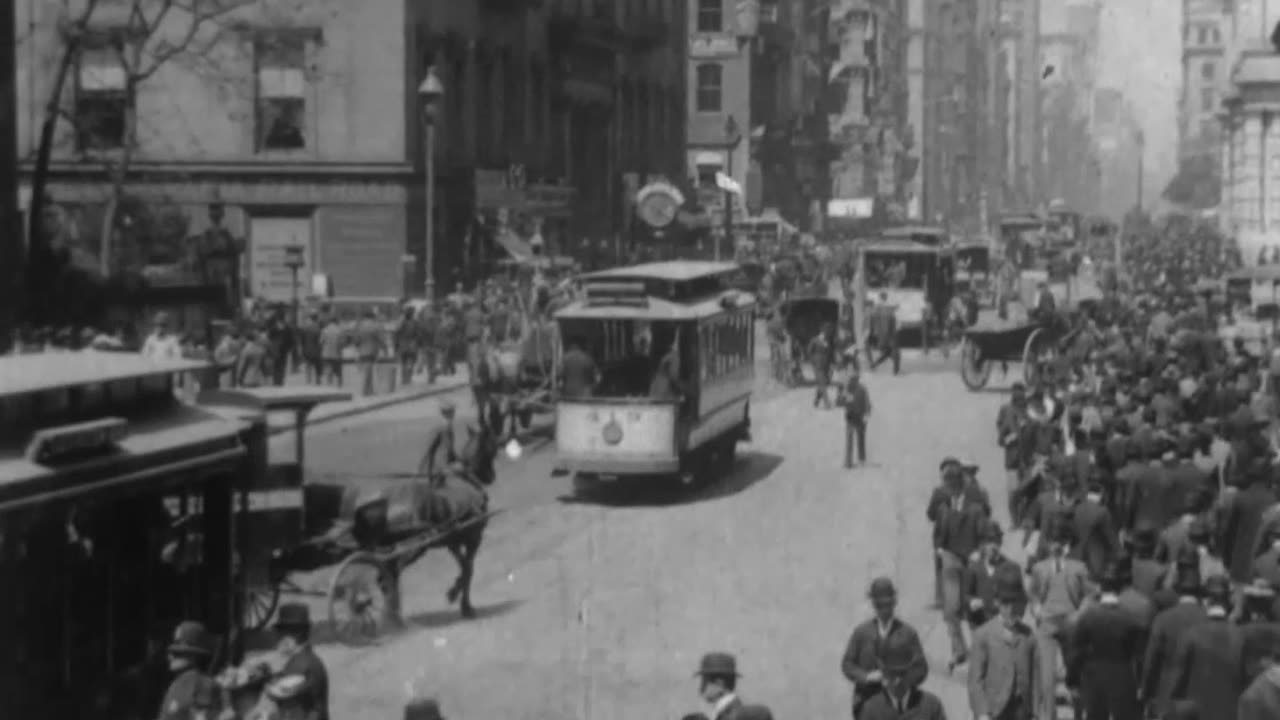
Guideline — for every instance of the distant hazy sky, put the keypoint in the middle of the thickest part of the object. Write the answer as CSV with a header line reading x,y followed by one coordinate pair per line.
x,y
1141,54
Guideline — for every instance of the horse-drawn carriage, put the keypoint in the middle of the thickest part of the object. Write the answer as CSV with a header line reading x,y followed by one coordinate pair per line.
x,y
804,318
367,529
1033,343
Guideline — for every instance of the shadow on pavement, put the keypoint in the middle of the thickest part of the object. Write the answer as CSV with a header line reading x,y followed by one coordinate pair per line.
x,y
750,468
322,633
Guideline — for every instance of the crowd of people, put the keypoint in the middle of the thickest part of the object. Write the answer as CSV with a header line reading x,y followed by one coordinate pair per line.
x,y
1141,472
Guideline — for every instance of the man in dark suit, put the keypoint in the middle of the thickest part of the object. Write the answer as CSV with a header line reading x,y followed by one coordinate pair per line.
x,y
958,510
1175,536
293,626
1054,503
884,330
1207,666
1166,631
1243,519
1097,542
870,640
1106,640
1146,570
981,574
1059,588
1002,666
1261,700
1046,305
717,681
1009,422
901,697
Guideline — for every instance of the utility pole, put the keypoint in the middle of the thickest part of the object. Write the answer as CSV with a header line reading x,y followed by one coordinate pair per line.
x,y
12,232
1142,164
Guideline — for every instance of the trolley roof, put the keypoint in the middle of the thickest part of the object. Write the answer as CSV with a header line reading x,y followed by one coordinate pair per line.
x,y
672,270
901,247
39,372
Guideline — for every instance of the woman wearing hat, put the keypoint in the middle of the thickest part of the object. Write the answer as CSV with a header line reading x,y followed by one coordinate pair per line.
x,y
193,692
900,696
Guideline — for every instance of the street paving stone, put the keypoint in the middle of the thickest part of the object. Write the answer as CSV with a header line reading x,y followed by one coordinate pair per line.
x,y
601,609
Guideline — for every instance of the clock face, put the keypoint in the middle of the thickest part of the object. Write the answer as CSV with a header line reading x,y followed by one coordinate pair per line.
x,y
658,209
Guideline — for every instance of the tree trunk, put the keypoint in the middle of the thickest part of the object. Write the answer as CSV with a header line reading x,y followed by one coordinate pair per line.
x,y
118,174
41,256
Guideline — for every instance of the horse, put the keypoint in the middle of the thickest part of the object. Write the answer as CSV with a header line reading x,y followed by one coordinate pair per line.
x,y
456,500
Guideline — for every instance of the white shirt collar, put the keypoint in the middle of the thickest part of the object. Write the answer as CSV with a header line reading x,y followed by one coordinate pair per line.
x,y
725,701
1215,611
1108,599
1189,600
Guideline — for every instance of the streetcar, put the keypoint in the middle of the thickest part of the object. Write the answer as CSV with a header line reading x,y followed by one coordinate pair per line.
x,y
117,521
629,319
928,235
917,280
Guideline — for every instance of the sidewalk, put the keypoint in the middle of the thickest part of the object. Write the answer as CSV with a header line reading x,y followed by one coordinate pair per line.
x,y
359,404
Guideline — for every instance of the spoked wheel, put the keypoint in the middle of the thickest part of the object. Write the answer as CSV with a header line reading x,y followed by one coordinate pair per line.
x,y
258,605
1036,355
359,596
975,370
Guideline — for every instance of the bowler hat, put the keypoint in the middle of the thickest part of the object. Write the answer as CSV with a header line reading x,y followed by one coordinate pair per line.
x,y
1115,573
293,616
1186,581
423,709
448,406
1062,530
191,638
1143,539
898,658
1009,587
882,589
948,462
1217,588
718,664
991,532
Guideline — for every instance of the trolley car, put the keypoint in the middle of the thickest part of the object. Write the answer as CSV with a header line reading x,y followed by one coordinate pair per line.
x,y
117,521
629,319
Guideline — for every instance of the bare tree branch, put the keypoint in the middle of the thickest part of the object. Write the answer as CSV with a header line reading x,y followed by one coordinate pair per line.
x,y
200,19
154,24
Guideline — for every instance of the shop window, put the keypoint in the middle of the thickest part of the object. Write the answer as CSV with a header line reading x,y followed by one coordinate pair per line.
x,y
281,92
102,100
710,87
710,16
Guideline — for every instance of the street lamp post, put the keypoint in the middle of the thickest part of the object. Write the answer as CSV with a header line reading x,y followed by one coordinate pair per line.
x,y
430,91
293,259
732,136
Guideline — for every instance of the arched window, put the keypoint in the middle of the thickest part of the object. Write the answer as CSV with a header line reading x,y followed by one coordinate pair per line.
x,y
709,79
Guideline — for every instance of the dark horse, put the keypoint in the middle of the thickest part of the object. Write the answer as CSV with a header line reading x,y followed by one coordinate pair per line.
x,y
455,501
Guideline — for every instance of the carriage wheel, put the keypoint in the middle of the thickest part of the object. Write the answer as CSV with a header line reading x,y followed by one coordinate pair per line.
x,y
975,370
1037,353
258,605
359,596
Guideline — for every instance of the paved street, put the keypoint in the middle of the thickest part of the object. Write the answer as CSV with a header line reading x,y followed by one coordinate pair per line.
x,y
601,609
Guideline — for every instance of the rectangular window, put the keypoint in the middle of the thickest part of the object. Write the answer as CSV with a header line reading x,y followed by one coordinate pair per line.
x,y
1208,70
1202,35
1207,100
281,80
710,16
101,100
710,79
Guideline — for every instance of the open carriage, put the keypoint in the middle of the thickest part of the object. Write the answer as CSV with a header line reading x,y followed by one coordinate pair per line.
x,y
804,318
363,531
1034,344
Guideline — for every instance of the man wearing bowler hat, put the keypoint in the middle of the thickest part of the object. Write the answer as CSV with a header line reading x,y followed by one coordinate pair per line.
x,y
193,694
717,682
293,626
983,574
1059,587
1002,663
1208,663
900,696
871,639
1106,640
1166,632
958,509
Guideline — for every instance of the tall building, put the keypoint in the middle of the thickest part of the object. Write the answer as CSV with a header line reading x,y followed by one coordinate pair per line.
x,y
1020,44
305,122
12,253
719,123
1204,46
1068,48
1116,131
867,103
789,152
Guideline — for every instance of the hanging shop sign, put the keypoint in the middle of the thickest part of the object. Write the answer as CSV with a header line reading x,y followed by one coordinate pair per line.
x,y
657,204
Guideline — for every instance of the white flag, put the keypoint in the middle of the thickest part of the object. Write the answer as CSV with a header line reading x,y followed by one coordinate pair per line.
x,y
728,184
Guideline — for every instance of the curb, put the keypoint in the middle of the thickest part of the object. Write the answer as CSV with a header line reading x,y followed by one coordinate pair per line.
x,y
384,402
